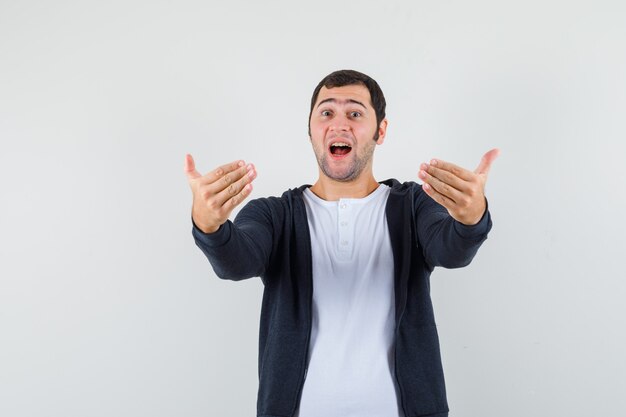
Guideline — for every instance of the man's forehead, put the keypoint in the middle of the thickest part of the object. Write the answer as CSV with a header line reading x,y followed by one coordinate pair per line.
x,y
345,94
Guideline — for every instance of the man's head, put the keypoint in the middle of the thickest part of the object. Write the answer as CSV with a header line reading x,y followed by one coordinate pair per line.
x,y
350,77
345,126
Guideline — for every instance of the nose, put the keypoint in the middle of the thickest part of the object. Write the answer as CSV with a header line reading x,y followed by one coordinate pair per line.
x,y
340,124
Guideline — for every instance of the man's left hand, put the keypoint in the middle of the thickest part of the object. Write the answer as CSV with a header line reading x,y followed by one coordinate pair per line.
x,y
459,190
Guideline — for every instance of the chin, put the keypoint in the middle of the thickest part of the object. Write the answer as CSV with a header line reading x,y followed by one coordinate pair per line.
x,y
346,175
346,170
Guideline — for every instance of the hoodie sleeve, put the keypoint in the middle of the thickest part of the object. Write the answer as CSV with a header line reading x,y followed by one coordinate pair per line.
x,y
240,249
446,242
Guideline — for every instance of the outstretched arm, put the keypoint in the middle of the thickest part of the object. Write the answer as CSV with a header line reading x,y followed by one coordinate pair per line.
x,y
235,251
452,217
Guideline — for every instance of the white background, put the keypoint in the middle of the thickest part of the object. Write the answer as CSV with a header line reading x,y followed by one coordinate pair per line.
x,y
107,308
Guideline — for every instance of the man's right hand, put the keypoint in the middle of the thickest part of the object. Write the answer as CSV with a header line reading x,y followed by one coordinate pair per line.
x,y
217,193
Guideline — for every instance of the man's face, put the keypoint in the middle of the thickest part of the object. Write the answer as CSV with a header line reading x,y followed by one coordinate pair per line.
x,y
343,126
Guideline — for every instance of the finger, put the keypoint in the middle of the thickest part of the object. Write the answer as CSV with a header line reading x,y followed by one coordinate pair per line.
x,y
234,188
446,177
223,173
233,201
190,168
455,170
439,198
238,198
486,161
229,180
441,187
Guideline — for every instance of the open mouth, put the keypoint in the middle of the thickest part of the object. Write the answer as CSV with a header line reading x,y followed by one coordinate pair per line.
x,y
340,149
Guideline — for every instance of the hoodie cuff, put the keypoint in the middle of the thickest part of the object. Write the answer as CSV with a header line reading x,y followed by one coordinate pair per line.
x,y
478,230
217,238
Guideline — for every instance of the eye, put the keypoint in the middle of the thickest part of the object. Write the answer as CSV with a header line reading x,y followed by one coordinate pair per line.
x,y
355,114
325,113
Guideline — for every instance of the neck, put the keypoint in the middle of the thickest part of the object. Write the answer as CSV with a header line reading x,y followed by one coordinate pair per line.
x,y
332,190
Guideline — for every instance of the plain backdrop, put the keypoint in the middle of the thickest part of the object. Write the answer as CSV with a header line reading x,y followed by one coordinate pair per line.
x,y
107,308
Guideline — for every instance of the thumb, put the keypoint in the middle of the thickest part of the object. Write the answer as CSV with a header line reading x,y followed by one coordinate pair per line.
x,y
190,168
486,161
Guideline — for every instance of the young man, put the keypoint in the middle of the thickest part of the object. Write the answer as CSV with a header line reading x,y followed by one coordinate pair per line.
x,y
347,325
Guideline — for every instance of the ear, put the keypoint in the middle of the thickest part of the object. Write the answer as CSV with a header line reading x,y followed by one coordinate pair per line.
x,y
382,131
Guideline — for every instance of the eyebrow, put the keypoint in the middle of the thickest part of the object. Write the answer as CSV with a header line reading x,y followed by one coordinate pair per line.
x,y
349,100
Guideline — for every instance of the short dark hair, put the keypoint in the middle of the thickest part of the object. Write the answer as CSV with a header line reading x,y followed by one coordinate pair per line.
x,y
350,77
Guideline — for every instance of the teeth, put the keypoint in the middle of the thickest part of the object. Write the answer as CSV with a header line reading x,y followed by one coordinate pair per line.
x,y
342,144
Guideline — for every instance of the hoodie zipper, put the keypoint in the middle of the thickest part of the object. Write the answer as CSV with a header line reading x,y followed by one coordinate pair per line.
x,y
395,347
310,318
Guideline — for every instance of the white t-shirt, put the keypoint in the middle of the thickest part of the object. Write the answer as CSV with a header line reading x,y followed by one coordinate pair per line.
x,y
351,354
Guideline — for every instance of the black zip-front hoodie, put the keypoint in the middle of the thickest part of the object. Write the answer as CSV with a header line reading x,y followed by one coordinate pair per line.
x,y
270,239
